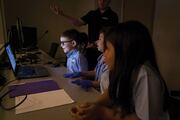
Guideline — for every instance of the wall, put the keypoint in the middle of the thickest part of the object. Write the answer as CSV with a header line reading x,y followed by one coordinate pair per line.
x,y
116,5
1,26
162,19
82,8
141,10
3,35
167,40
36,13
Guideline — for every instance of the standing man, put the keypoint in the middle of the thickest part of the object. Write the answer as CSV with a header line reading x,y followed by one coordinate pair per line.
x,y
95,19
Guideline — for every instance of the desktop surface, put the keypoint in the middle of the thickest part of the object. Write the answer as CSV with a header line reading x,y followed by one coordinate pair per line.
x,y
58,112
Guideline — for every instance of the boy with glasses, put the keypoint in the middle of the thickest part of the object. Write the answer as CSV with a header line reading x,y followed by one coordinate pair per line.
x,y
69,41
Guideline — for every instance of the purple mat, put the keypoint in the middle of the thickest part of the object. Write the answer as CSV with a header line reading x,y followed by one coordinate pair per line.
x,y
33,87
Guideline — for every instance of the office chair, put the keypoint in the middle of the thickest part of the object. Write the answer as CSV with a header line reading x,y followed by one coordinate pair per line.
x,y
53,49
174,106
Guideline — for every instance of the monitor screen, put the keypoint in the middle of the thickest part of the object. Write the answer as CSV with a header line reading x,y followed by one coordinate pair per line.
x,y
11,57
29,38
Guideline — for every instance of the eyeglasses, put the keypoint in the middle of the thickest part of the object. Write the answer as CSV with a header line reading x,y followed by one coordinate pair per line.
x,y
63,42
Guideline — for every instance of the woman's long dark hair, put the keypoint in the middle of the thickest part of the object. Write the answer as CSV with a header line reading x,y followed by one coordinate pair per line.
x,y
133,47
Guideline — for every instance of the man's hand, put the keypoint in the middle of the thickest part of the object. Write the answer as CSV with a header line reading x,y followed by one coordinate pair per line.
x,y
57,9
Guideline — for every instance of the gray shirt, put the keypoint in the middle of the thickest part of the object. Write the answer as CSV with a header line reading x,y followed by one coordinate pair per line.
x,y
148,95
104,81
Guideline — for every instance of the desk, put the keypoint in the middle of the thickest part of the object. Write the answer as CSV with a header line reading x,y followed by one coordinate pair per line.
x,y
55,113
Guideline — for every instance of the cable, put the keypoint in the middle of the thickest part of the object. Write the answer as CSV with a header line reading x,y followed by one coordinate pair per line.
x,y
5,94
10,108
7,83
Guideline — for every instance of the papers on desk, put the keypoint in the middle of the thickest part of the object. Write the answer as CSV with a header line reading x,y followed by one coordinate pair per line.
x,y
42,100
40,95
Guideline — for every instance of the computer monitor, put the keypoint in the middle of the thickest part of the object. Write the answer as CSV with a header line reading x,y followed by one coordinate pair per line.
x,y
11,57
23,37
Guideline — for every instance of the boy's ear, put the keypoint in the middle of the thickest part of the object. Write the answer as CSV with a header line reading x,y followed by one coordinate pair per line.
x,y
74,43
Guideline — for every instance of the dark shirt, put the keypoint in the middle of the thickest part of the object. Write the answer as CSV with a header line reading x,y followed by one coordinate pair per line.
x,y
96,20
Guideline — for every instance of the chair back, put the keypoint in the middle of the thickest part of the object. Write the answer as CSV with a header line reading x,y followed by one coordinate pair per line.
x,y
174,108
53,49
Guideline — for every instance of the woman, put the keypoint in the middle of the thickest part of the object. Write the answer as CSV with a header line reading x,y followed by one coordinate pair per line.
x,y
137,90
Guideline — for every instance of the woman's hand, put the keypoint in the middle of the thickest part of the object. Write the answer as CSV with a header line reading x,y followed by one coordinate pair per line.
x,y
86,111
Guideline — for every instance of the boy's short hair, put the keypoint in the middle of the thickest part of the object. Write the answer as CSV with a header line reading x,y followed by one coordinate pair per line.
x,y
72,34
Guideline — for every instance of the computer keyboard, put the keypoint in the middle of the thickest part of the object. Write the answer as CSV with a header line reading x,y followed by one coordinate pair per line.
x,y
32,56
29,58
29,70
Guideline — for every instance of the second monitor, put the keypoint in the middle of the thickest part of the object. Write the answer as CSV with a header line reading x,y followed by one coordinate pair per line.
x,y
29,40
